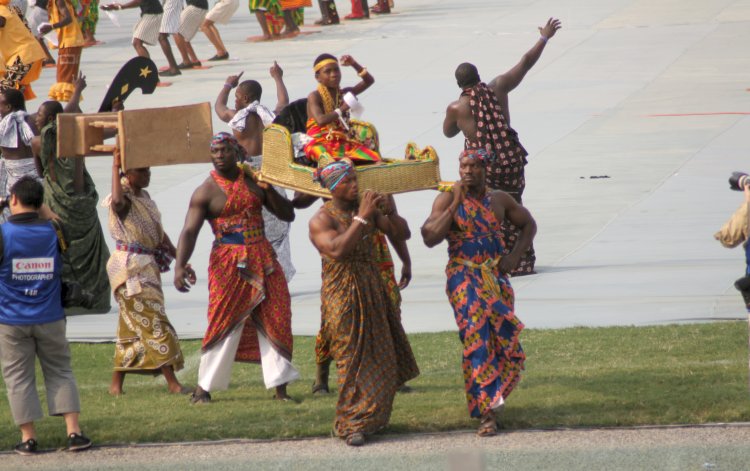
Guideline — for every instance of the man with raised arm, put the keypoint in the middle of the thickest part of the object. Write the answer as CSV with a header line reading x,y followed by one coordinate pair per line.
x,y
481,114
249,307
361,324
249,117
470,219
247,121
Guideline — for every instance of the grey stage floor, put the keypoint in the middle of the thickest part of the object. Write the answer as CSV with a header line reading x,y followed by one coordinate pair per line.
x,y
651,95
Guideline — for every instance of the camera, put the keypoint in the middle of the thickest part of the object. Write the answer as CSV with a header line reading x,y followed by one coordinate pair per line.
x,y
73,295
738,181
4,203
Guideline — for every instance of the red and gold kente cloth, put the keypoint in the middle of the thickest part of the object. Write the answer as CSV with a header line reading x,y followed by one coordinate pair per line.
x,y
245,281
333,139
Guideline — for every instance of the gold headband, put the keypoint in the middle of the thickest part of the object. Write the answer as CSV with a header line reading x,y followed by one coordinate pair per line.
x,y
324,63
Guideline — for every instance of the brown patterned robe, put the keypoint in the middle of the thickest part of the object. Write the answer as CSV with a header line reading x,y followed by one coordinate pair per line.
x,y
506,169
367,341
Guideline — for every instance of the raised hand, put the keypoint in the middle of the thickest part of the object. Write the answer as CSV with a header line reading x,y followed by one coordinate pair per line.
x,y
80,83
234,80
459,191
276,71
117,161
347,60
549,30
369,204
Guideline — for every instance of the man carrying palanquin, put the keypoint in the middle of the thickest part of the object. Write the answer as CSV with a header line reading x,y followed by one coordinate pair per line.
x,y
384,260
367,341
328,114
70,193
249,307
482,115
248,120
478,288
21,53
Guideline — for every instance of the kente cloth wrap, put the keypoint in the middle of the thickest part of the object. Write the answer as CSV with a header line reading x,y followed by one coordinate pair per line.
x,y
146,340
506,167
21,54
367,341
14,126
85,261
331,175
87,14
482,300
274,15
277,231
333,140
245,281
238,121
384,261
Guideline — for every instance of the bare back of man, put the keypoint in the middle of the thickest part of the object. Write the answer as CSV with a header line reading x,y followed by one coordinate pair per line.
x,y
250,131
458,116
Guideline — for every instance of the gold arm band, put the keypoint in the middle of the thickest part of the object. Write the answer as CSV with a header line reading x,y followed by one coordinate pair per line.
x,y
362,72
324,63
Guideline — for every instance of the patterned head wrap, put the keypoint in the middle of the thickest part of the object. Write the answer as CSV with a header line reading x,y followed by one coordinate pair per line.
x,y
332,174
229,141
480,155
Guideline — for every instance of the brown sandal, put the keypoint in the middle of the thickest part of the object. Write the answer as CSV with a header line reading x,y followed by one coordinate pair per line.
x,y
488,425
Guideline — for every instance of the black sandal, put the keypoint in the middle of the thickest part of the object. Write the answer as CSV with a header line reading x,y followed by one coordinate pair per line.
x,y
27,448
355,439
202,398
320,389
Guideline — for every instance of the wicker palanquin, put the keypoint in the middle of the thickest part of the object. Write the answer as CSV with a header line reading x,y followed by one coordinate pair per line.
x,y
395,176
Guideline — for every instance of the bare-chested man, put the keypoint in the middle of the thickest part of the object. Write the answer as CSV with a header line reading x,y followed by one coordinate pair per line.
x,y
492,131
249,307
247,121
249,117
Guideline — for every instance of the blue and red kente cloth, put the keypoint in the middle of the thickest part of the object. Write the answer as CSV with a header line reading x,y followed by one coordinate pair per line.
x,y
482,301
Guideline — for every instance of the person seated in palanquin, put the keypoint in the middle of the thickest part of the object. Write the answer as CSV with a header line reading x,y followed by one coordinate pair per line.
x,y
332,135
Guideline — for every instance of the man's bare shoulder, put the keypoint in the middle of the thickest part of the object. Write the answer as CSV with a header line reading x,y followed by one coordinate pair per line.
x,y
207,190
321,220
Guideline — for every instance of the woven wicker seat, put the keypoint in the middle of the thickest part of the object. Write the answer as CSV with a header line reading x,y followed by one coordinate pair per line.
x,y
395,176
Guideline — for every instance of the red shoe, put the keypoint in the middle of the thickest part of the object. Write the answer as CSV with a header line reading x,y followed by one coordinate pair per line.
x,y
355,17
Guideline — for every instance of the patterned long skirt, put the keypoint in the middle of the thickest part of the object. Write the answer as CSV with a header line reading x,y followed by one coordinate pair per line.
x,y
489,331
146,340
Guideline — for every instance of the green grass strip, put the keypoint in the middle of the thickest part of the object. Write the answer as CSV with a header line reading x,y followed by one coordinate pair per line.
x,y
619,376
